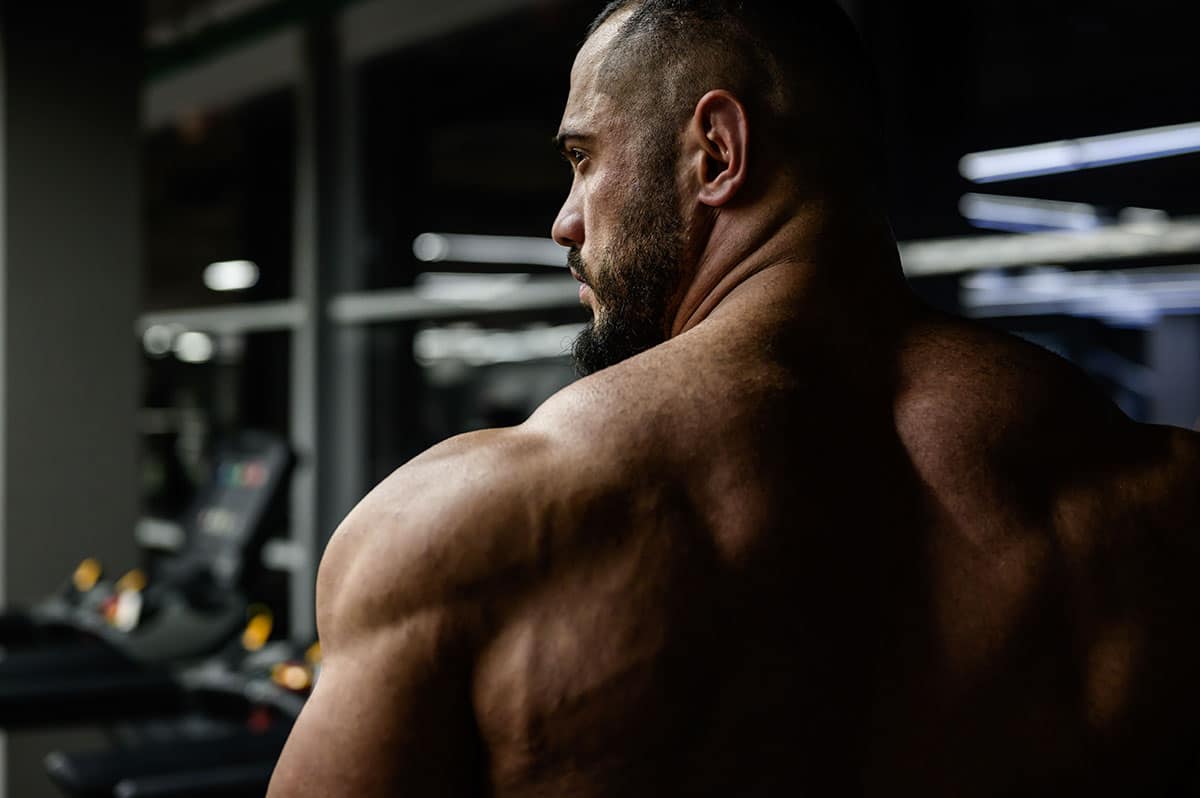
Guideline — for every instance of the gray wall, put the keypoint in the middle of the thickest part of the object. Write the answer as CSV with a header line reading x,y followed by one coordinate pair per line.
x,y
1174,351
69,268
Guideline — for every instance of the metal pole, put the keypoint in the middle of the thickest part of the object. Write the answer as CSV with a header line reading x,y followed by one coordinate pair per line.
x,y
328,364
306,384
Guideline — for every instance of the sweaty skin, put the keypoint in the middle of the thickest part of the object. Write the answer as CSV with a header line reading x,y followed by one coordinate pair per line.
x,y
823,541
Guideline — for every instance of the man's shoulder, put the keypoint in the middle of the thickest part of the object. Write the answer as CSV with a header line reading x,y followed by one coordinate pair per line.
x,y
458,520
412,541
1162,469
975,404
968,393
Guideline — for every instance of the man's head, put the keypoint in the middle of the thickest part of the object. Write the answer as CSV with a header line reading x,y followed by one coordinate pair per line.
x,y
664,96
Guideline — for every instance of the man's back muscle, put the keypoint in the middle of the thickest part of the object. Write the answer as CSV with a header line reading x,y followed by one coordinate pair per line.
x,y
718,569
1046,518
827,589
682,654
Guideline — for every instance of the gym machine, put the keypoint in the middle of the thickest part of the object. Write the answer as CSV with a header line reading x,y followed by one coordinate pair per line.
x,y
97,650
240,707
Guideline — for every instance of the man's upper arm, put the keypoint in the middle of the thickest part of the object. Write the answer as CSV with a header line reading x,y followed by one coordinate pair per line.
x,y
400,613
391,715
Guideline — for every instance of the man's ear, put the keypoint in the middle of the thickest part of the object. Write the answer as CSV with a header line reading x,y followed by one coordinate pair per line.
x,y
720,132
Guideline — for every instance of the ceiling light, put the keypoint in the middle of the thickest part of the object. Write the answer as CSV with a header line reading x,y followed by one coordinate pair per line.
x,y
231,275
1071,155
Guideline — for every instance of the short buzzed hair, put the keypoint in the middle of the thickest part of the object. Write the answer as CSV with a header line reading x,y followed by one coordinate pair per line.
x,y
799,66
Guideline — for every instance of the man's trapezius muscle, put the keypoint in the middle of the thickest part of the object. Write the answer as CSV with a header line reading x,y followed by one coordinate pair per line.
x,y
794,534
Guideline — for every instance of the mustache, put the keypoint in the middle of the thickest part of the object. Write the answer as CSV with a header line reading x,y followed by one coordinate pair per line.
x,y
575,263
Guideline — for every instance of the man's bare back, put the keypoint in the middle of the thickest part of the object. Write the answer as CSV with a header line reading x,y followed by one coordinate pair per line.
x,y
694,574
813,539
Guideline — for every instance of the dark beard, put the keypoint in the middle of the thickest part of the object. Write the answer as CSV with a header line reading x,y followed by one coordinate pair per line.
x,y
637,281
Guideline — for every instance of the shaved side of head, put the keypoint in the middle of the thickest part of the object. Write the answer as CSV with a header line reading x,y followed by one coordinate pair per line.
x,y
799,67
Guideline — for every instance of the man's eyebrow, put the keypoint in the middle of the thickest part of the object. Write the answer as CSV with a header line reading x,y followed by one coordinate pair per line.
x,y
560,141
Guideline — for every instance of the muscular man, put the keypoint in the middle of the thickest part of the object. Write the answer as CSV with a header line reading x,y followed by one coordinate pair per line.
x,y
796,534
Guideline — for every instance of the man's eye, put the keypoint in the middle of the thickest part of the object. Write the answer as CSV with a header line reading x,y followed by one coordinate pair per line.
x,y
577,156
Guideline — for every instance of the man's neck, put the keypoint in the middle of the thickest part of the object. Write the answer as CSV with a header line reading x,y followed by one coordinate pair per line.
x,y
821,252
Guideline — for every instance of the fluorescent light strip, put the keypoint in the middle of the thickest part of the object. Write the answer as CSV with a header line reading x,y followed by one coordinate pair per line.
x,y
511,250
468,288
477,347
1128,296
1020,213
429,300
1110,243
243,318
1137,235
1075,154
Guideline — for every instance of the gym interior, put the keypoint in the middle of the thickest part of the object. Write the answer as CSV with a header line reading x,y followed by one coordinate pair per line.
x,y
257,254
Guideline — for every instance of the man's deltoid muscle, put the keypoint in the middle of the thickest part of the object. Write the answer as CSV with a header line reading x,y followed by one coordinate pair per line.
x,y
795,533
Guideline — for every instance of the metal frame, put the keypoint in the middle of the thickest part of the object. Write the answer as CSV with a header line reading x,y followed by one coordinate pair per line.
x,y
306,366
252,317
365,29
367,307
253,69
328,419
921,259
345,348
376,27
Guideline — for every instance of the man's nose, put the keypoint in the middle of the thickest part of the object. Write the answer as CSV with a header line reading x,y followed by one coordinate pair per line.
x,y
568,225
